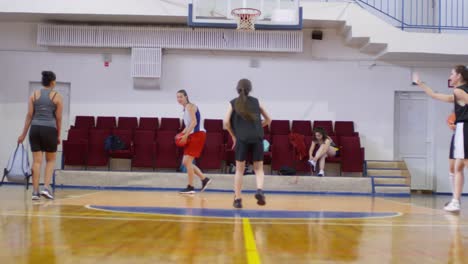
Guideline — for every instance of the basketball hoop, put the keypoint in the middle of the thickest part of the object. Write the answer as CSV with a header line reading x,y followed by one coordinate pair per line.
x,y
246,17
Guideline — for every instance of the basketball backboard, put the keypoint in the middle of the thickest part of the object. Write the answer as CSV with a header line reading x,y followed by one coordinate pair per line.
x,y
275,14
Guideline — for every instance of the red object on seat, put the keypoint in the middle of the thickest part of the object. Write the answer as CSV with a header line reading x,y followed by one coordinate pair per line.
x,y
298,144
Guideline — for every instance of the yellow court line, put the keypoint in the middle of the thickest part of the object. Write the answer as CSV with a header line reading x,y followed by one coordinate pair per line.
x,y
250,246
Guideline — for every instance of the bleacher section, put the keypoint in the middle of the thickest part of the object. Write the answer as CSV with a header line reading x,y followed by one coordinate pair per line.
x,y
150,144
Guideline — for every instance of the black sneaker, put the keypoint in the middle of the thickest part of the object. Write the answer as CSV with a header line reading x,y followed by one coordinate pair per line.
x,y
237,203
188,190
47,194
35,196
260,197
205,182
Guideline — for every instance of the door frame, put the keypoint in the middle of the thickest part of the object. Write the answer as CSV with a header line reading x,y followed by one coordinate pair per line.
x,y
431,183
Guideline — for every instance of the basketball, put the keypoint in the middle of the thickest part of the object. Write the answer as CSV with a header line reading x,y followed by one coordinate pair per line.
x,y
178,139
451,120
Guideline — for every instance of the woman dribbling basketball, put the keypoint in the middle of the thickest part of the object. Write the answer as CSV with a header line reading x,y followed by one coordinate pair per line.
x,y
193,140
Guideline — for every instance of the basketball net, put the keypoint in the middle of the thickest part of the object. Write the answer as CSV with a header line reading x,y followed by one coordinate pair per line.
x,y
246,17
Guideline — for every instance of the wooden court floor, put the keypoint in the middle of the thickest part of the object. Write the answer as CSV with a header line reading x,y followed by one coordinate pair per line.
x,y
96,226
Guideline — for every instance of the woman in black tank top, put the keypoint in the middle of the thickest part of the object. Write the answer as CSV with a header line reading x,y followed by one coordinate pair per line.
x,y
244,124
44,125
459,147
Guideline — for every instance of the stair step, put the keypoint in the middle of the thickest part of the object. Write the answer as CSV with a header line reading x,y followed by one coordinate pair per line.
x,y
386,165
392,189
345,31
390,181
389,177
374,48
356,42
383,172
390,185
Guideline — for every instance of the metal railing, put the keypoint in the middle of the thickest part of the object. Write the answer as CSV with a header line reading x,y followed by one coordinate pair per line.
x,y
433,15
438,15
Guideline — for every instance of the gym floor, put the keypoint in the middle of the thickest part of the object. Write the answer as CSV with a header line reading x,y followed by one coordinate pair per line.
x,y
100,226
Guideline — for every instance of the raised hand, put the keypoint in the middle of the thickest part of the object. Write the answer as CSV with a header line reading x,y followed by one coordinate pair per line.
x,y
416,79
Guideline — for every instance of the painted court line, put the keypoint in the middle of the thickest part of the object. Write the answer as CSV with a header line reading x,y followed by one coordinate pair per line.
x,y
411,204
250,245
232,221
75,196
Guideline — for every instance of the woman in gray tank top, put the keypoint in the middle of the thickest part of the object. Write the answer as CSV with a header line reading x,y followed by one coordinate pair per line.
x,y
43,121
244,124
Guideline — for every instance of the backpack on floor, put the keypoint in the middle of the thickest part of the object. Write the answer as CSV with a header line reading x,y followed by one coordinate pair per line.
x,y
285,170
18,169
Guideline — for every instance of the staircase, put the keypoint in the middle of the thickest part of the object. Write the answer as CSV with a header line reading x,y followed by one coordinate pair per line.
x,y
389,178
374,34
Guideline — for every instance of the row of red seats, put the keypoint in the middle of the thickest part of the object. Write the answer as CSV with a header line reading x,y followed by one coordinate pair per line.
x,y
351,155
85,147
278,127
156,149
305,127
146,148
111,122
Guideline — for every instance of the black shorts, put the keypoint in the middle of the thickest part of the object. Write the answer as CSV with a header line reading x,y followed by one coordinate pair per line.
x,y
337,153
43,138
243,148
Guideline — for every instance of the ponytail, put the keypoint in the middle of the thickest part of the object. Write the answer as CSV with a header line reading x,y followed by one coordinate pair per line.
x,y
244,87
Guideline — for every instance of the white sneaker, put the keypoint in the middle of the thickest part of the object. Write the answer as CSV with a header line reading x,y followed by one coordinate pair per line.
x,y
321,173
47,194
453,206
312,163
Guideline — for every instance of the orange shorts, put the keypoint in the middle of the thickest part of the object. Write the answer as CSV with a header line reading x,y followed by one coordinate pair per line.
x,y
195,144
